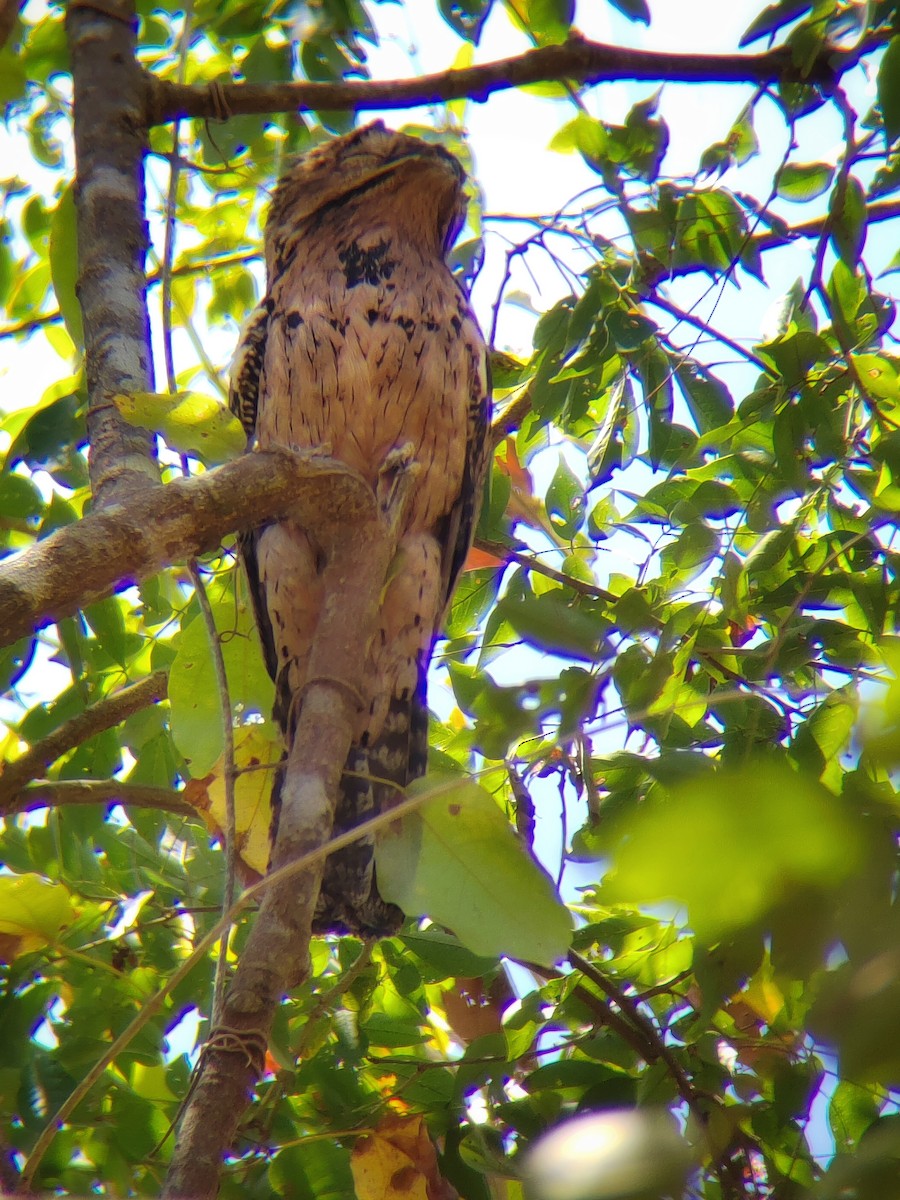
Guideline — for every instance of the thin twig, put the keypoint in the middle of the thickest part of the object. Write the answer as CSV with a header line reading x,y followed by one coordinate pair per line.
x,y
630,1008
532,563
657,301
229,776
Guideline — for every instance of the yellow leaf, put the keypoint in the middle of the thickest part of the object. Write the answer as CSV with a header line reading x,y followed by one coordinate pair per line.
x,y
397,1161
191,422
764,997
33,911
256,754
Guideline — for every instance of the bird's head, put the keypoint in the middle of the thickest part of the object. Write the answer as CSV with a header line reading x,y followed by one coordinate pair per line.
x,y
378,169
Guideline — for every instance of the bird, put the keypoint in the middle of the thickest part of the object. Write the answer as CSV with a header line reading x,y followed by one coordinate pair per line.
x,y
365,347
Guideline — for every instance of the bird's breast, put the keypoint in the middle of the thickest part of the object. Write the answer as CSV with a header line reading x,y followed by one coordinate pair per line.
x,y
369,367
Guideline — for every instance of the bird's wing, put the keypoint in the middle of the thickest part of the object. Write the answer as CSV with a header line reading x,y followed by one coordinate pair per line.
x,y
458,526
243,400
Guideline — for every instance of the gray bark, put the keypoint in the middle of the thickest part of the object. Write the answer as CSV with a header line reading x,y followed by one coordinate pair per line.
x,y
124,543
110,141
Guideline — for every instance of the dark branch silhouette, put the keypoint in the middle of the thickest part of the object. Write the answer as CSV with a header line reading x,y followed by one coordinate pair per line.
x,y
574,61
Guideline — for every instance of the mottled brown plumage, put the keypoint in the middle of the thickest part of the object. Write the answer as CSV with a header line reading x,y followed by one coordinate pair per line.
x,y
365,346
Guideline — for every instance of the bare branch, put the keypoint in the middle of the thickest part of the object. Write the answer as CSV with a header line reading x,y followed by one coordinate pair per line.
x,y
106,713
110,133
575,61
59,793
532,563
121,544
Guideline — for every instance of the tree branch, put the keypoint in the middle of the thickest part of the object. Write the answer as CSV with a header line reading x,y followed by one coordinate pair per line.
x,y
106,713
53,793
358,548
110,132
121,544
576,60
531,562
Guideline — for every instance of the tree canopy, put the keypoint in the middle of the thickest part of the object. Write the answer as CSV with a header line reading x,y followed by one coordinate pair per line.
x,y
654,864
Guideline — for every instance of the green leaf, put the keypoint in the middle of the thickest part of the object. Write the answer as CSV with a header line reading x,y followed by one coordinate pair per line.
x,y
19,497
690,553
879,376
731,845
847,210
466,17
196,714
634,10
773,17
851,1111
15,661
548,21
794,353
825,735
629,328
585,134
457,859
656,381
107,620
554,623
711,230
445,955
64,263
190,422
708,399
311,1170
33,912
565,500
889,90
804,181
13,80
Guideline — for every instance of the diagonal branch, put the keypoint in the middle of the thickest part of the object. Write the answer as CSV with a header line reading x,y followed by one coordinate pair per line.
x,y
122,544
106,713
575,60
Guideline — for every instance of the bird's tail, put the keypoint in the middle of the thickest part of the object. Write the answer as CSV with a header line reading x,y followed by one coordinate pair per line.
x,y
373,782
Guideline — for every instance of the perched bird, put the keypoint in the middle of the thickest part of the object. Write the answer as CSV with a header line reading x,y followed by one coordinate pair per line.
x,y
365,346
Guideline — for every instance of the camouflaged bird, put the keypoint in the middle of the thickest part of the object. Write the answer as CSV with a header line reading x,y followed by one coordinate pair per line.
x,y
363,345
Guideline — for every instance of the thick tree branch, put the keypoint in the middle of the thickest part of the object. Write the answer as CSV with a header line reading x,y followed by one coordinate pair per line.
x,y
110,132
62,793
106,713
358,549
576,60
124,543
